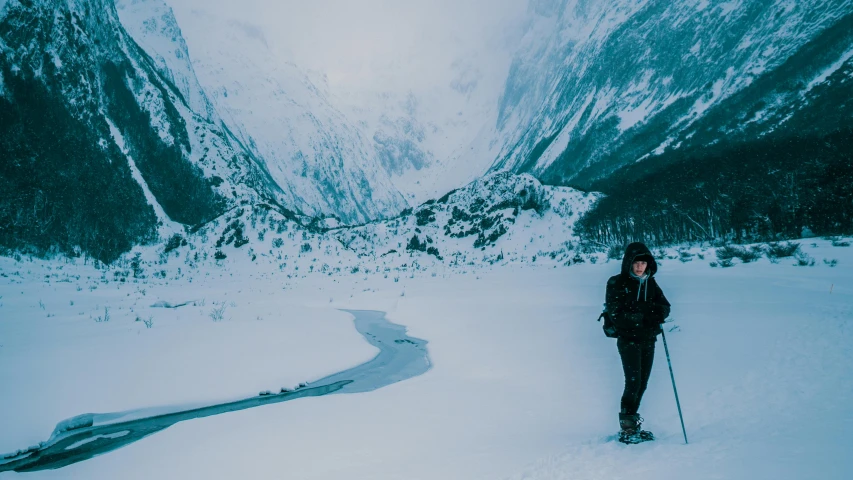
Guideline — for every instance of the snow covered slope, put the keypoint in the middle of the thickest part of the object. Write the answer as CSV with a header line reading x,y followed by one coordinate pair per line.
x,y
102,148
154,28
598,84
422,138
499,219
524,385
322,164
399,138
325,146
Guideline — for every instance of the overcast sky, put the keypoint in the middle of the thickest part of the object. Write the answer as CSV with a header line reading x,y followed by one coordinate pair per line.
x,y
378,44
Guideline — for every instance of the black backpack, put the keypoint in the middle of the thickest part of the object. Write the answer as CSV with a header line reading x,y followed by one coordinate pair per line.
x,y
608,326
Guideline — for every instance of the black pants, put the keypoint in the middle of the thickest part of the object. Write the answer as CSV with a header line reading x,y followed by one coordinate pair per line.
x,y
637,359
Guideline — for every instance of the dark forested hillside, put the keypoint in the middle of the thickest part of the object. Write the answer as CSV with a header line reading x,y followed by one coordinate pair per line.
x,y
178,185
770,188
652,76
82,106
61,186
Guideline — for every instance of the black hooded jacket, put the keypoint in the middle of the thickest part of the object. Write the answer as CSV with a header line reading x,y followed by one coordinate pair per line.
x,y
637,308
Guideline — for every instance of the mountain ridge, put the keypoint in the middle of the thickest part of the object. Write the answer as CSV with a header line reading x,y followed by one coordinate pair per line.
x,y
322,164
83,108
646,78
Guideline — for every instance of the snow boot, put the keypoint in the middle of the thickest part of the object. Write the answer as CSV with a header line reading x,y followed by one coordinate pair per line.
x,y
630,424
645,435
632,432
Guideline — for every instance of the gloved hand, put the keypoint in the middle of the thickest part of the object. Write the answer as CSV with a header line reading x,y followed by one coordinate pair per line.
x,y
652,320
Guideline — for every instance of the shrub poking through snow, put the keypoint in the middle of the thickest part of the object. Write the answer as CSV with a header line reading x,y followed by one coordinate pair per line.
x,y
425,217
781,250
105,317
840,243
728,252
174,242
415,244
491,238
575,260
746,255
804,260
754,253
233,233
136,265
830,263
534,200
218,313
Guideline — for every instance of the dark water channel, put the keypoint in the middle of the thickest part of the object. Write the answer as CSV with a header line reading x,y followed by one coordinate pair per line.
x,y
400,357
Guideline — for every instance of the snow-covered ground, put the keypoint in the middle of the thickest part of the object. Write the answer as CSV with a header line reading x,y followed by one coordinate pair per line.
x,y
524,384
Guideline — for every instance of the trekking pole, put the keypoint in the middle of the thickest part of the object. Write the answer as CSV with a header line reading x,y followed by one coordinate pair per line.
x,y
672,376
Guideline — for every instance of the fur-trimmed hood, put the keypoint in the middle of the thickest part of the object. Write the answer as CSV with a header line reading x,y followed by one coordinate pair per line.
x,y
637,251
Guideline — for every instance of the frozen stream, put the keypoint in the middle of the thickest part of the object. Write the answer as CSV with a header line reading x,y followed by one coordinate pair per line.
x,y
80,438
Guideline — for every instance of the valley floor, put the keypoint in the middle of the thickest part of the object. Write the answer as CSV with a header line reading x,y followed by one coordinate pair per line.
x,y
523,384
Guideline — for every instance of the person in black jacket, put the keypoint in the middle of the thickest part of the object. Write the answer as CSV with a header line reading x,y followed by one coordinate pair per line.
x,y
637,307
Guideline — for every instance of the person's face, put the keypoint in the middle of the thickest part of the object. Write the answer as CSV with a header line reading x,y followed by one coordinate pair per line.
x,y
639,268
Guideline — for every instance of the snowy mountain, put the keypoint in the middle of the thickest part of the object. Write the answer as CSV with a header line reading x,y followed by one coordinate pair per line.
x,y
153,27
322,164
423,139
101,151
599,85
357,155
165,134
398,137
208,295
229,125
393,123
